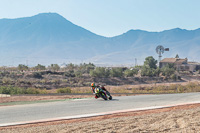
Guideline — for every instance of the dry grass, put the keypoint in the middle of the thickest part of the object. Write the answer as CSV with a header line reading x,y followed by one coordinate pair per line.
x,y
183,87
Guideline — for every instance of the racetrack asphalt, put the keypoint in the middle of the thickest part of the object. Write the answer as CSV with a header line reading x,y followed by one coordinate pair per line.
x,y
19,114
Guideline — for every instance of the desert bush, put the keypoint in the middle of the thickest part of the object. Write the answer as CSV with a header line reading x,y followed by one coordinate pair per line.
x,y
56,81
4,73
173,77
130,73
64,90
54,67
99,72
89,67
168,70
116,72
42,91
69,73
39,67
78,73
11,90
22,67
17,90
147,71
37,75
7,81
85,68
70,67
31,91
35,91
44,81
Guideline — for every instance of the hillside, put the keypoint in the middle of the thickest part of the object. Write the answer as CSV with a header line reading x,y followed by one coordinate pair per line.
x,y
50,38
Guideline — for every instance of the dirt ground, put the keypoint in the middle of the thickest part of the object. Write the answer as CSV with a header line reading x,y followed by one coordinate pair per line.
x,y
180,119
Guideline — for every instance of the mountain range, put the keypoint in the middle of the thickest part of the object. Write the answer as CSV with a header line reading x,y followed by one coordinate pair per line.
x,y
49,38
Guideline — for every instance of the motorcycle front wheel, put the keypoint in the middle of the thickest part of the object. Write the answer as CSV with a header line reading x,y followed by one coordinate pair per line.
x,y
103,95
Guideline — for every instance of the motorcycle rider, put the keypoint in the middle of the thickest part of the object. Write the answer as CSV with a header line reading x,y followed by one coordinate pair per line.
x,y
93,86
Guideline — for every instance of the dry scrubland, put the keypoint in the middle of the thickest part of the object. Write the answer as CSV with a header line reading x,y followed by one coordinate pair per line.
x,y
72,78
182,119
158,88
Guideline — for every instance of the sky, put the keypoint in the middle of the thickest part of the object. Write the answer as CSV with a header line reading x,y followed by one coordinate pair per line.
x,y
112,17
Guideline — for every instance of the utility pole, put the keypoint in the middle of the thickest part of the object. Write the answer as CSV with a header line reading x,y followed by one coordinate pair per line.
x,y
27,62
135,61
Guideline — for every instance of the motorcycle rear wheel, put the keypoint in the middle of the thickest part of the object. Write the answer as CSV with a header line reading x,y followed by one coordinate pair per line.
x,y
110,98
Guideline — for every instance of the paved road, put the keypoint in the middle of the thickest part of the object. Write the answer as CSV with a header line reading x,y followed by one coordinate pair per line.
x,y
31,112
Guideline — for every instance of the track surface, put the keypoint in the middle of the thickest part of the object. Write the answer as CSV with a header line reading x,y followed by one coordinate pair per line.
x,y
33,112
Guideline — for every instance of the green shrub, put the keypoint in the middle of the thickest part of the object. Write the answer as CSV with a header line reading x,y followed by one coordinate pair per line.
x,y
150,62
147,71
11,90
22,67
64,90
17,90
69,73
32,91
7,81
168,70
39,67
85,68
54,67
173,76
116,72
130,73
99,72
35,91
78,73
37,75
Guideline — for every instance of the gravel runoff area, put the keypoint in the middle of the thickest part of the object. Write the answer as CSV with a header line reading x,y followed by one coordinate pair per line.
x,y
179,119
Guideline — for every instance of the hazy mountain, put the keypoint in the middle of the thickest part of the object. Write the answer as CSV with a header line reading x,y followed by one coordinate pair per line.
x,y
49,38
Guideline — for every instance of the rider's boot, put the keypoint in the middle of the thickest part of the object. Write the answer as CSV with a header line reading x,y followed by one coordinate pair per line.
x,y
96,96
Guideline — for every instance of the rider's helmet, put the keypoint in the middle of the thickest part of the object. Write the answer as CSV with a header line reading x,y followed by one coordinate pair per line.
x,y
92,84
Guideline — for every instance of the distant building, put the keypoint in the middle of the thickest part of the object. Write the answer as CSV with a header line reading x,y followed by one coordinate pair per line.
x,y
175,61
180,64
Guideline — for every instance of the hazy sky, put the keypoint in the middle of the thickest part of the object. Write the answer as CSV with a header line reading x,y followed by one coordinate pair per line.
x,y
112,17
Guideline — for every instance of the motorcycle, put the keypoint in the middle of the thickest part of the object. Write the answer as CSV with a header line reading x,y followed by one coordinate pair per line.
x,y
101,93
